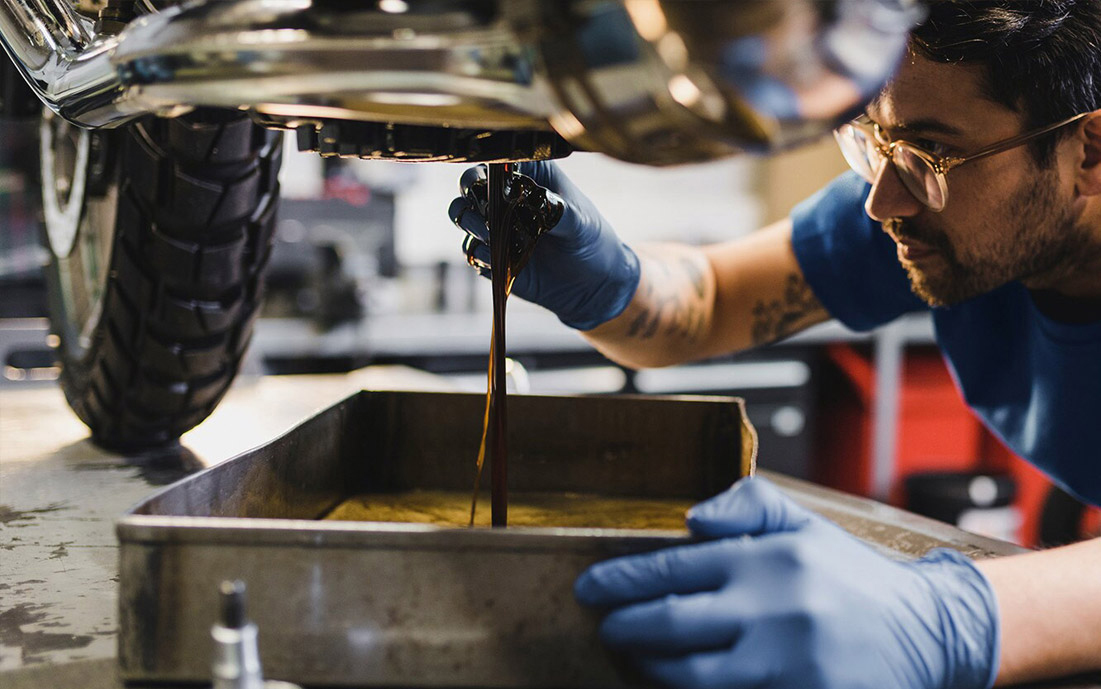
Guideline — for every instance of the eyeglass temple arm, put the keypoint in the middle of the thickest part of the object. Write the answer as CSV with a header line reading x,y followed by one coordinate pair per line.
x,y
950,163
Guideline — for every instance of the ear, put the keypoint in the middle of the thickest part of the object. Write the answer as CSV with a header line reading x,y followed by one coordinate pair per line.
x,y
1089,137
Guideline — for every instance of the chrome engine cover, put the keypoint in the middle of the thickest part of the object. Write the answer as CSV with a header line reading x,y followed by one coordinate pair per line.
x,y
657,82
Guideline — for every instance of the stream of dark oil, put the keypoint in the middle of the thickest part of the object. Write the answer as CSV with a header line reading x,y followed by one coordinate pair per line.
x,y
499,238
494,431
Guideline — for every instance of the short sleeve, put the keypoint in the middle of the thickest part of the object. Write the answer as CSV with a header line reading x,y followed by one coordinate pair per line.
x,y
848,261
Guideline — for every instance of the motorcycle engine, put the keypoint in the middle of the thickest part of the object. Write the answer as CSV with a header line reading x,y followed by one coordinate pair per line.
x,y
657,82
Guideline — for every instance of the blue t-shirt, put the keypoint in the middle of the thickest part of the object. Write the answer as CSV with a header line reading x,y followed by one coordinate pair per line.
x,y
1035,382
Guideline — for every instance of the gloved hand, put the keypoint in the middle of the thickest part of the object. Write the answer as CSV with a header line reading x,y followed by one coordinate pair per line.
x,y
785,598
580,270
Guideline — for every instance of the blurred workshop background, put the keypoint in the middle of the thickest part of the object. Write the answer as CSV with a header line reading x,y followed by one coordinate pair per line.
x,y
367,269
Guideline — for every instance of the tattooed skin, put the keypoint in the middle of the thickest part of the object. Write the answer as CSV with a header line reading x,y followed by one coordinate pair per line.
x,y
778,318
674,295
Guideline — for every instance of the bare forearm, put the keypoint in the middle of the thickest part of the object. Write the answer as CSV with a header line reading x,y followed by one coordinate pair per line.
x,y
1050,608
693,303
670,314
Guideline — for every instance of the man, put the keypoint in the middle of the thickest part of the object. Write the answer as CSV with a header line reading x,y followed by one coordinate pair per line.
x,y
977,193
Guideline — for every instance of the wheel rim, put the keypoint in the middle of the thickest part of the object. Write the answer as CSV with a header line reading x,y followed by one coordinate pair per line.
x,y
64,150
79,229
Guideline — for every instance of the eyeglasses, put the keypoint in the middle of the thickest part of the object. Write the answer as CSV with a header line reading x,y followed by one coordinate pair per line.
x,y
866,147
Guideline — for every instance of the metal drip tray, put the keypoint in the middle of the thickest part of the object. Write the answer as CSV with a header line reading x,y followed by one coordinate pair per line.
x,y
352,603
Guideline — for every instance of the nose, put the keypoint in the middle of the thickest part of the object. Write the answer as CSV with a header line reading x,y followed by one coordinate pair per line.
x,y
889,197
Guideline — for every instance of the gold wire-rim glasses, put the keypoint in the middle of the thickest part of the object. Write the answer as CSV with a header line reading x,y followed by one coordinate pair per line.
x,y
940,166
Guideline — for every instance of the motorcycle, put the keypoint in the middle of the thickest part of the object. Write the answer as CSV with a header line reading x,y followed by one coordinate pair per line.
x,y
161,125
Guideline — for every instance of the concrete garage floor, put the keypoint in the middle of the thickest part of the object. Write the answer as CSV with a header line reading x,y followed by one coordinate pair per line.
x,y
60,495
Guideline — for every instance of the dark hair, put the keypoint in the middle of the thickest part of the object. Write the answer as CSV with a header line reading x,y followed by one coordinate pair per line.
x,y
1042,58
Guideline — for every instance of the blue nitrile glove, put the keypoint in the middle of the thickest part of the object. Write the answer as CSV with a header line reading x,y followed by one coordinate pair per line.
x,y
580,270
784,598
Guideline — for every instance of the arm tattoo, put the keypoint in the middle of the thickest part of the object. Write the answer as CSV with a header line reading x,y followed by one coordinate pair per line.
x,y
674,297
778,318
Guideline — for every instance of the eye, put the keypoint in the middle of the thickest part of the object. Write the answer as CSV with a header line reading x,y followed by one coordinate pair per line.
x,y
929,146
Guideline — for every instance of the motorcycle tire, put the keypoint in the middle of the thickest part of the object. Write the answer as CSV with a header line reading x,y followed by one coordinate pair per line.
x,y
182,211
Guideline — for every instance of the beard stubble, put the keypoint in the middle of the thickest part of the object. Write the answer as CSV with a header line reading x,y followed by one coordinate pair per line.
x,y
1034,239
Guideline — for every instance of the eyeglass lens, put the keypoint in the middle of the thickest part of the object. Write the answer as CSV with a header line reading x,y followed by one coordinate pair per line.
x,y
919,177
859,150
863,154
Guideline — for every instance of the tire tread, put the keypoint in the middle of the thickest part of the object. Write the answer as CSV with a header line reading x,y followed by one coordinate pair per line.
x,y
198,196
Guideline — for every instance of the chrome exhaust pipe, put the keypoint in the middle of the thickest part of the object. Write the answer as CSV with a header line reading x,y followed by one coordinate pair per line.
x,y
64,62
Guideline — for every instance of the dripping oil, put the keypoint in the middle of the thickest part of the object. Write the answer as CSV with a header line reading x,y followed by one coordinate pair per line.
x,y
494,442
517,212
499,243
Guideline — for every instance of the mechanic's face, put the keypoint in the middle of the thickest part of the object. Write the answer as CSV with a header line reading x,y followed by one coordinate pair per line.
x,y
1006,218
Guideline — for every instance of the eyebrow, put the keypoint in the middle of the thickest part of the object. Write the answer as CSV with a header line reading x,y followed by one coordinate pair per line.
x,y
926,126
